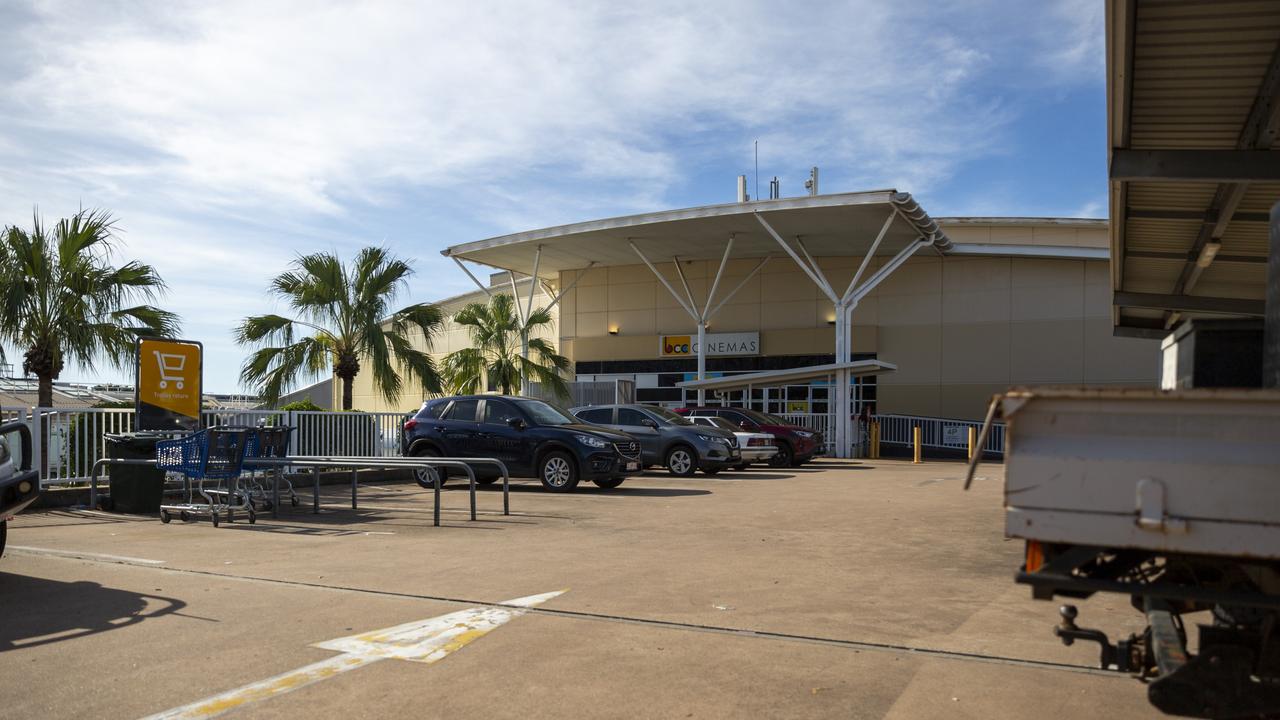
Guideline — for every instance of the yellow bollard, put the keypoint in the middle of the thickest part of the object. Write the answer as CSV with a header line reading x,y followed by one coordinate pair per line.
x,y
875,440
915,442
973,440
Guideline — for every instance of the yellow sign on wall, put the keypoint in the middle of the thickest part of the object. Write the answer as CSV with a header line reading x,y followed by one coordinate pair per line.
x,y
169,384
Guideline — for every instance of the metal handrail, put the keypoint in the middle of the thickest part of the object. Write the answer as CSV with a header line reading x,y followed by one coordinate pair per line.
x,y
411,461
316,464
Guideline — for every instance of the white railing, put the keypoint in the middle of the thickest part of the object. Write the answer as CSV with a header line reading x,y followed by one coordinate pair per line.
x,y
938,432
67,442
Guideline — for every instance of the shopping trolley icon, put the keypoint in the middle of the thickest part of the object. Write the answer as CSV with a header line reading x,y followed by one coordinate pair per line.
x,y
170,368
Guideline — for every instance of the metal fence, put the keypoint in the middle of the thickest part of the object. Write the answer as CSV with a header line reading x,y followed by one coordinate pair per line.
x,y
588,392
938,432
67,442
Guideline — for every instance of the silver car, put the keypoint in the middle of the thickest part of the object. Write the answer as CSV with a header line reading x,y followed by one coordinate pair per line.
x,y
755,446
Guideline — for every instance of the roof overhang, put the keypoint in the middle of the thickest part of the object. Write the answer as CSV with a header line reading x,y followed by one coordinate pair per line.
x,y
856,368
1193,113
831,225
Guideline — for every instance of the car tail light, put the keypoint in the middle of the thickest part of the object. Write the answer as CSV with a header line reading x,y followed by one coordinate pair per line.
x,y
410,424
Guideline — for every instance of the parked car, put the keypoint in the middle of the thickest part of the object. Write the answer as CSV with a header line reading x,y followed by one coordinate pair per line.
x,y
533,438
755,446
668,439
19,484
796,445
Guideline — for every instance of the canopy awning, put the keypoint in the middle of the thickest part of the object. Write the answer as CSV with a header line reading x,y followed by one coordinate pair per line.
x,y
1193,114
831,225
771,378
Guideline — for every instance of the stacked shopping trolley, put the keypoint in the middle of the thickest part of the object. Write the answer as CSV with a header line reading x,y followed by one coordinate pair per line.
x,y
215,459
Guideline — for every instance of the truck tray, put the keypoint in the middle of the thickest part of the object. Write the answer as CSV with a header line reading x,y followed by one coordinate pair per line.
x,y
1182,471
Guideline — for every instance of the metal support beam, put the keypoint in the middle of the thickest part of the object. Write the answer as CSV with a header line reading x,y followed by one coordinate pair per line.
x,y
537,258
716,283
1189,303
581,274
884,230
1207,216
740,285
807,270
515,295
675,260
826,285
483,289
1222,166
888,268
664,282
1191,257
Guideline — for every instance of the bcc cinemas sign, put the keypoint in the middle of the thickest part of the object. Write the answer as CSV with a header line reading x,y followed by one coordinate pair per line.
x,y
717,344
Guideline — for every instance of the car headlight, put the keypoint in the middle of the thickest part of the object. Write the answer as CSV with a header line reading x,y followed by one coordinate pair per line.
x,y
713,438
804,434
592,441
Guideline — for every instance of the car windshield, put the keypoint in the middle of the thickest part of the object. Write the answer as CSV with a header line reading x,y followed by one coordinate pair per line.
x,y
721,423
544,413
762,418
668,416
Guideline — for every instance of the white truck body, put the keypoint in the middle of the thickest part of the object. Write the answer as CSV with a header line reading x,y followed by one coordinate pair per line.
x,y
1185,471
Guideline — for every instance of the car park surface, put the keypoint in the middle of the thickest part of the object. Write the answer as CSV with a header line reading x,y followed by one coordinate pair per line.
x,y
840,589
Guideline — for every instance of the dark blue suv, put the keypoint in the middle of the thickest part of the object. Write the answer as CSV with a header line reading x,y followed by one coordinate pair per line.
x,y
533,438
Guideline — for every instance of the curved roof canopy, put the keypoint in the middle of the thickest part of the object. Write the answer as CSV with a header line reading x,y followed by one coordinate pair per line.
x,y
830,225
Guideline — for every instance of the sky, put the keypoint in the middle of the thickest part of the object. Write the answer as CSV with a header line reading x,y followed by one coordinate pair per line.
x,y
227,138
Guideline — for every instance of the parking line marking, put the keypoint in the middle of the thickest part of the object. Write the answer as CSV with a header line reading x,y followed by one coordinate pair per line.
x,y
425,641
83,555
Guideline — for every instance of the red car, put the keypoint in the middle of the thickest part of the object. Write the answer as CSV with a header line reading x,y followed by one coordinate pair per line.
x,y
796,445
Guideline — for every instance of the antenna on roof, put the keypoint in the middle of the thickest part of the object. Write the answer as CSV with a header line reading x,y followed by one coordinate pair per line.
x,y
775,190
812,183
757,169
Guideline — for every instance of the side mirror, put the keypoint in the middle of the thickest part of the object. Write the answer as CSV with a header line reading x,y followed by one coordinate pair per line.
x,y
516,423
745,424
649,423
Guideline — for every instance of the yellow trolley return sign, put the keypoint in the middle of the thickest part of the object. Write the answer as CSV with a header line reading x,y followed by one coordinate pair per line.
x,y
170,376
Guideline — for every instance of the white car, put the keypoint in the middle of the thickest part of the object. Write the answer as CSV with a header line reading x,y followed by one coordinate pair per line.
x,y
755,446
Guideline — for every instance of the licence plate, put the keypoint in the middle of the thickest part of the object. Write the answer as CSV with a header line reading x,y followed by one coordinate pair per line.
x,y
633,466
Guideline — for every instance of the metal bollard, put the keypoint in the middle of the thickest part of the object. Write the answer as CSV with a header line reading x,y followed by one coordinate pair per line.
x,y
915,445
973,440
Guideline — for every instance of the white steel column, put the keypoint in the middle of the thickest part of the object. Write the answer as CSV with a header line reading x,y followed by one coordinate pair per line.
x,y
843,428
703,317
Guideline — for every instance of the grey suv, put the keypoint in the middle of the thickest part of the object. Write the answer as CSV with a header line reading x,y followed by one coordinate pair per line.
x,y
667,438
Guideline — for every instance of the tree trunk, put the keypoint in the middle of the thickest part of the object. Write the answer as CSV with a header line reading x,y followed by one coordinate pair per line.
x,y
44,394
346,391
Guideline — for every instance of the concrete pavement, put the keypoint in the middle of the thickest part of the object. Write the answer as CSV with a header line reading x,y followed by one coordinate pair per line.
x,y
840,589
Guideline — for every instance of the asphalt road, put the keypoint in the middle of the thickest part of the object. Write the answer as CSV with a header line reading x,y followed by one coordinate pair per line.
x,y
842,589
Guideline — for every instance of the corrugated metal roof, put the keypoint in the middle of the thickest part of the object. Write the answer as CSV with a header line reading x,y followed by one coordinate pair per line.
x,y
1185,76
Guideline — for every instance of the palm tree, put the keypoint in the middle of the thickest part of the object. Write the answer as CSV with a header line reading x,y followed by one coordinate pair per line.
x,y
345,310
499,339
61,299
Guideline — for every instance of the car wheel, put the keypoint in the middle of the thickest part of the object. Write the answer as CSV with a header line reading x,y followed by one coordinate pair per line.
x,y
608,483
783,458
681,461
558,472
427,477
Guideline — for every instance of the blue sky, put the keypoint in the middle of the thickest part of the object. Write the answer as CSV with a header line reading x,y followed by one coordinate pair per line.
x,y
228,137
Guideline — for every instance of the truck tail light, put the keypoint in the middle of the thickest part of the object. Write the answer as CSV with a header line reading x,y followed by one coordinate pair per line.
x,y
410,424
1035,556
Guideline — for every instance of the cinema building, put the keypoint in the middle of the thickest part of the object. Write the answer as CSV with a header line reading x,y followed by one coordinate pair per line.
x,y
777,304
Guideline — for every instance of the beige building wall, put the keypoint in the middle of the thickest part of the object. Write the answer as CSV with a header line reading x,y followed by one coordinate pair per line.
x,y
959,328
453,337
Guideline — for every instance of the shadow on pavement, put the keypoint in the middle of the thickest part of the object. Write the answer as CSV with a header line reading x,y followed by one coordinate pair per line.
x,y
37,611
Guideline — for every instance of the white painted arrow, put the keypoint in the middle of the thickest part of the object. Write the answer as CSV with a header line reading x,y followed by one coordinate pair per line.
x,y
424,641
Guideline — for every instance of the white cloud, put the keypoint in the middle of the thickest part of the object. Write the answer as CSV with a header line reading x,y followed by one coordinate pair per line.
x,y
228,136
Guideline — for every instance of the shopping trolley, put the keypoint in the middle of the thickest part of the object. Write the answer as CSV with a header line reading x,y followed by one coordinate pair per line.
x,y
267,441
212,454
